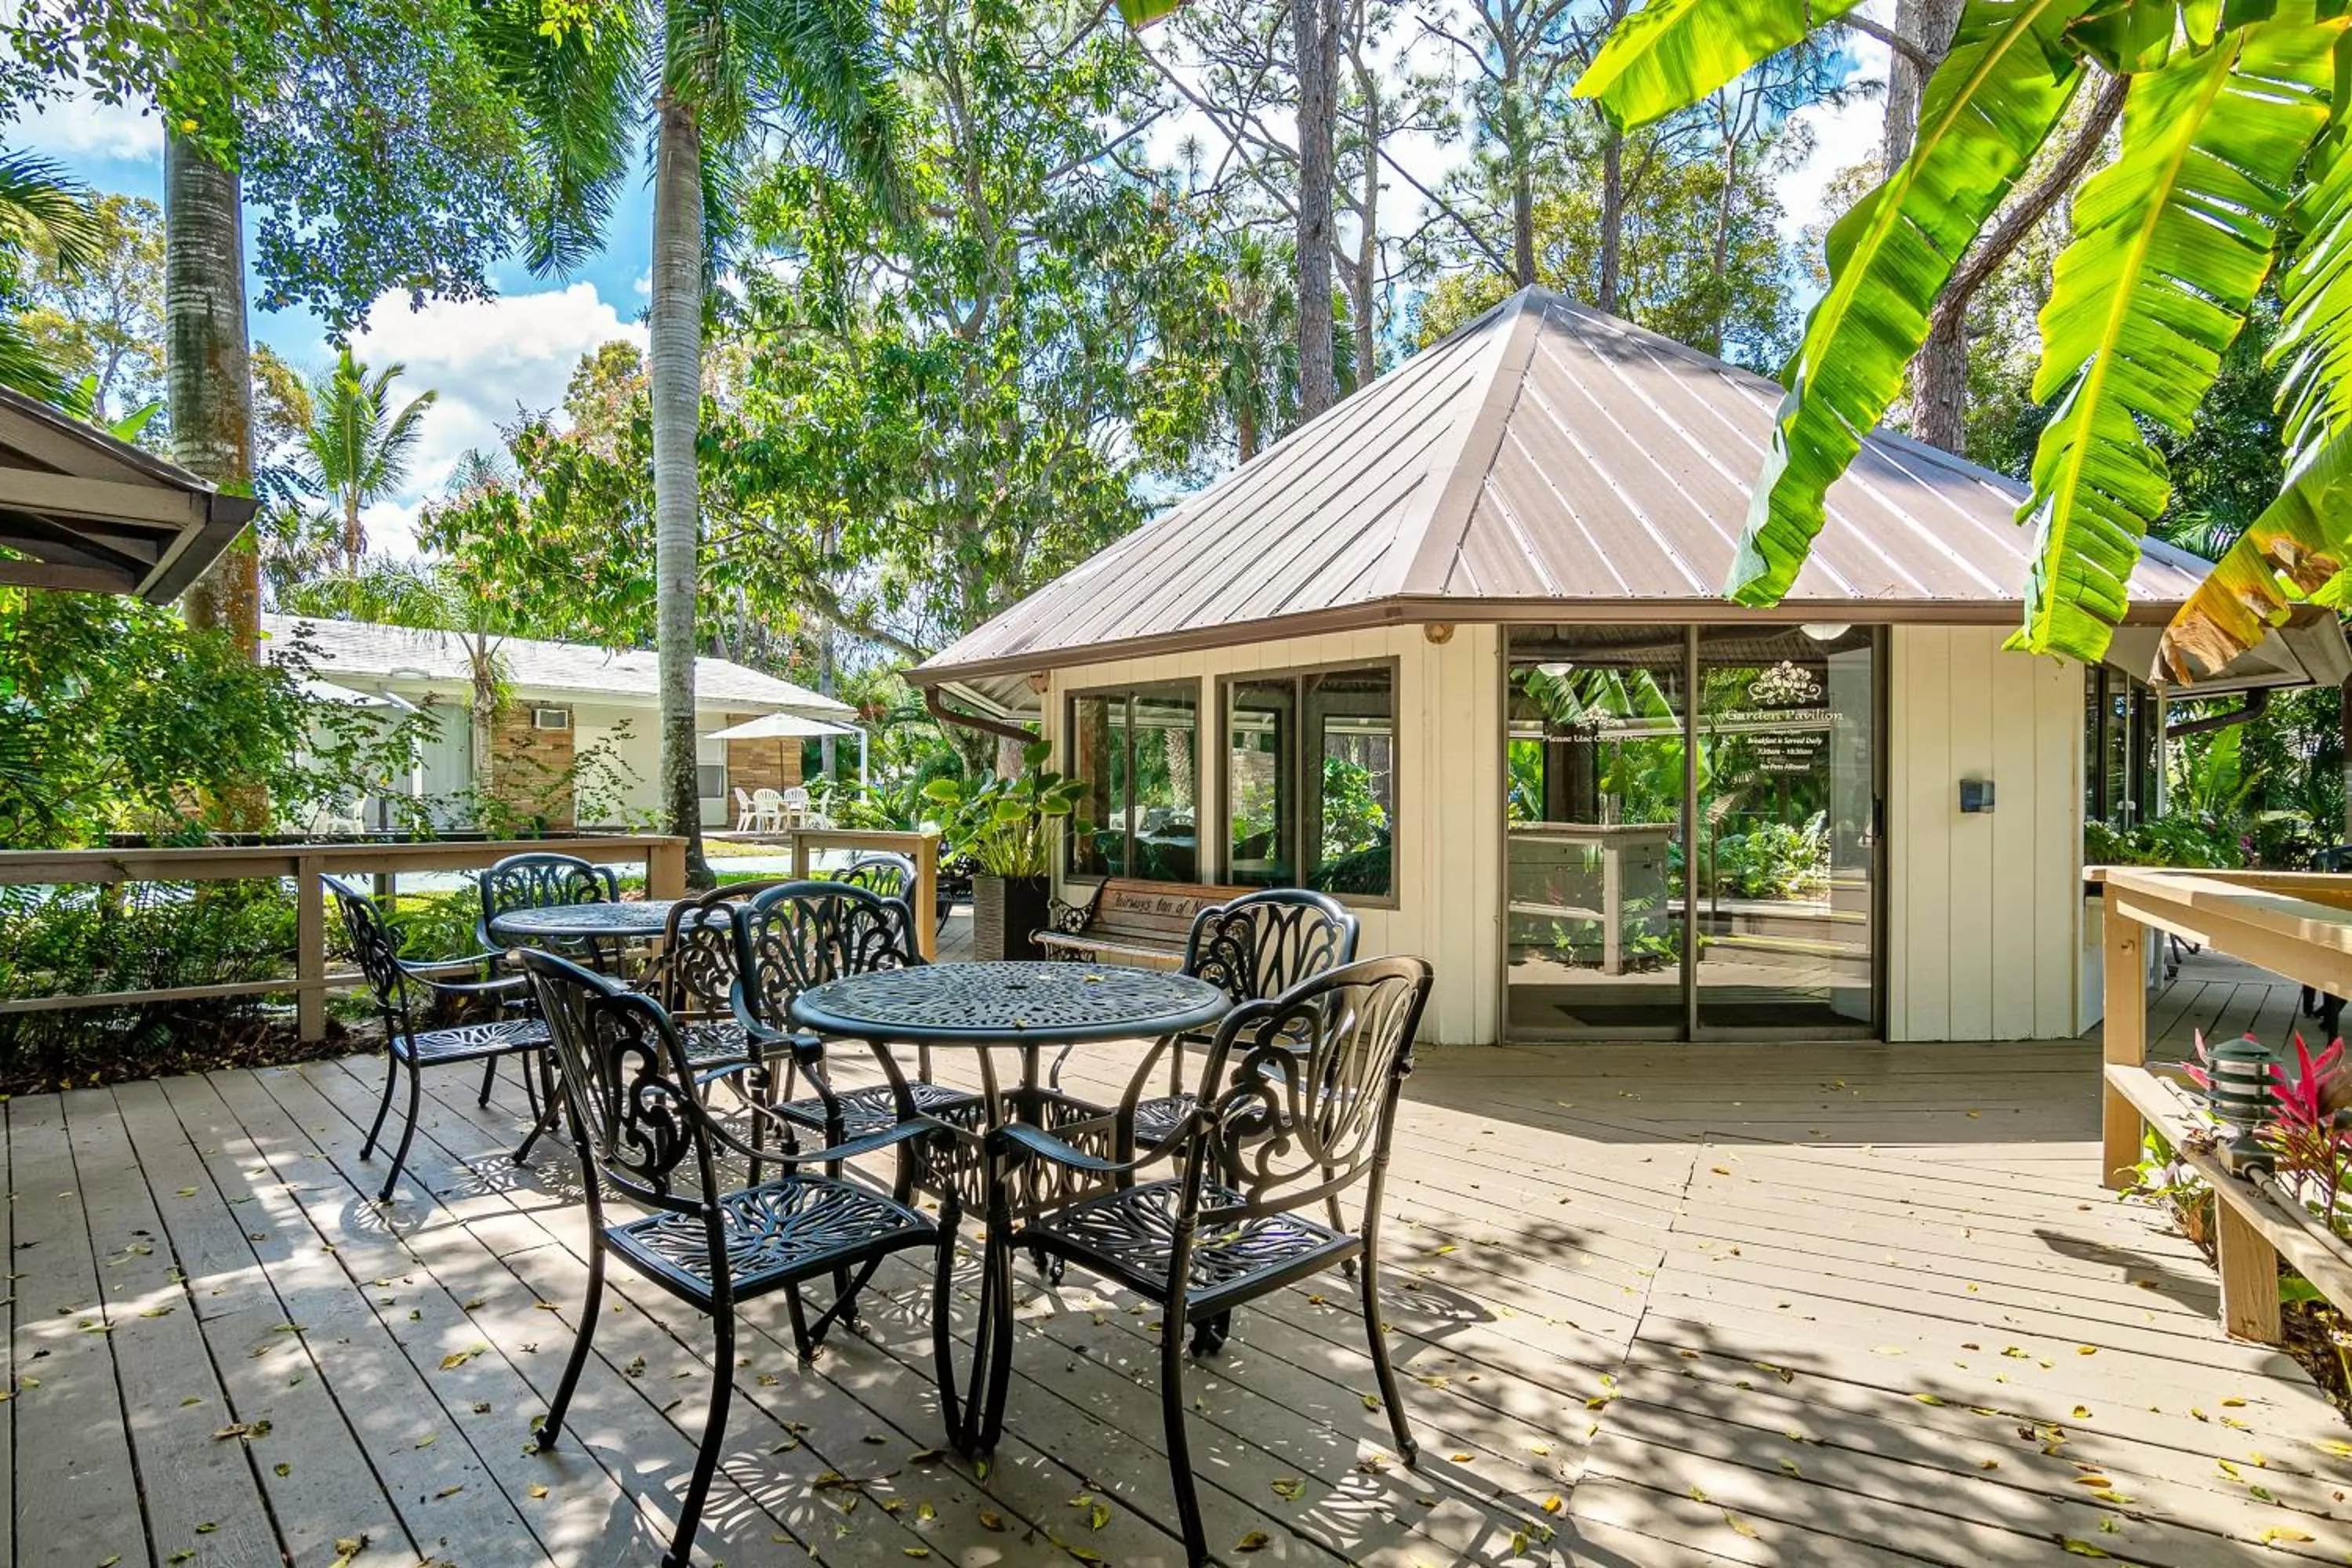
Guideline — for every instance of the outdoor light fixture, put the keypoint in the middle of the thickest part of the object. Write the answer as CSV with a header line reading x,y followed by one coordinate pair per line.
x,y
2238,1091
1825,631
1556,669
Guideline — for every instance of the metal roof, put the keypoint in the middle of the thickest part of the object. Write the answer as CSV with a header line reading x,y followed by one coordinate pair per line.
x,y
347,650
81,510
1545,462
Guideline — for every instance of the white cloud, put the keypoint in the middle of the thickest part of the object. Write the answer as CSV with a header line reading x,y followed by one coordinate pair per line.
x,y
81,127
486,358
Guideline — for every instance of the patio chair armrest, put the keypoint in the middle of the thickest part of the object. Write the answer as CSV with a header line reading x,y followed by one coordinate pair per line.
x,y
505,985
1025,1141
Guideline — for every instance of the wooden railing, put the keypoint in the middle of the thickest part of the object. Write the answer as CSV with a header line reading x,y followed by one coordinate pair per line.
x,y
922,849
2295,924
664,858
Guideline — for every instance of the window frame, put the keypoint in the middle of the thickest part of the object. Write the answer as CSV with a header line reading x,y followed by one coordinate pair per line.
x,y
1131,689
1295,675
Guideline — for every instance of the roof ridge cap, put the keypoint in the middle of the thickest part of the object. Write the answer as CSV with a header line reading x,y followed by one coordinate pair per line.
x,y
1431,532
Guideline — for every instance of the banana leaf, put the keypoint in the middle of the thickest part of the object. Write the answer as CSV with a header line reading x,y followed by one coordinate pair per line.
x,y
1672,53
2171,244
2003,86
2296,549
1143,13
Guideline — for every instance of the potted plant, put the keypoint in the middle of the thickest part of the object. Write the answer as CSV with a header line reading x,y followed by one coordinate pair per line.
x,y
1006,828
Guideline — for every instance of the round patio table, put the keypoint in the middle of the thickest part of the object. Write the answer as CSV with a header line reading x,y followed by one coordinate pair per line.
x,y
584,922
1022,1006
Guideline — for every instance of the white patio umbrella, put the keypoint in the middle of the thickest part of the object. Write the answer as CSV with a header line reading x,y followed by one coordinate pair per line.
x,y
793,727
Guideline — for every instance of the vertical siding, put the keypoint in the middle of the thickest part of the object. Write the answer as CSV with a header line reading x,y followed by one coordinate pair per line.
x,y
1449,793
1982,908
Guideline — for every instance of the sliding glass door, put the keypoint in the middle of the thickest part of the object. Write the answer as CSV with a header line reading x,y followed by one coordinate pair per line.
x,y
1693,845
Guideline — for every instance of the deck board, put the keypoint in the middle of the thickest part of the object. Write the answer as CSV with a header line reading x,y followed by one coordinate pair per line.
x,y
1651,1304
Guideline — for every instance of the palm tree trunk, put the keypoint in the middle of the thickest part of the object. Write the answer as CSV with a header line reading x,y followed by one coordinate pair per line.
x,y
483,712
353,541
677,333
1314,30
1613,218
208,384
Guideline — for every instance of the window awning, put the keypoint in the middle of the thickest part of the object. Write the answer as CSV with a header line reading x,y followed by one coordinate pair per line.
x,y
79,510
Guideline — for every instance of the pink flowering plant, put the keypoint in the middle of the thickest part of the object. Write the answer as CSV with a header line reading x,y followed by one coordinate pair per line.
x,y
2306,1131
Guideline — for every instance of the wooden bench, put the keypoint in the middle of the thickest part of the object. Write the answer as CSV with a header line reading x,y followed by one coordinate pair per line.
x,y
1131,921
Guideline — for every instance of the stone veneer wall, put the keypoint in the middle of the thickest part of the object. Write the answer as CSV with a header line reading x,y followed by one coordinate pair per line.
x,y
753,765
530,769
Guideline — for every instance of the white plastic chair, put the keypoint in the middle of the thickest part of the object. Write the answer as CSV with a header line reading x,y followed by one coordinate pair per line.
x,y
795,804
745,812
767,809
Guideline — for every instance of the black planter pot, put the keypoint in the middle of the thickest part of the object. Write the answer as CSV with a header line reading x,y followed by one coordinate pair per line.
x,y
1004,910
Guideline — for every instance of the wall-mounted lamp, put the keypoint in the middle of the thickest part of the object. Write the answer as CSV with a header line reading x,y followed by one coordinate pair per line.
x,y
1439,632
1040,682
1556,669
1825,631
1976,795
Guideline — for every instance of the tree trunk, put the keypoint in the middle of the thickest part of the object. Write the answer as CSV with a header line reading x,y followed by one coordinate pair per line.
x,y
1246,429
483,712
2344,725
1315,27
828,748
677,368
209,384
1930,25
1612,217
1939,384
354,542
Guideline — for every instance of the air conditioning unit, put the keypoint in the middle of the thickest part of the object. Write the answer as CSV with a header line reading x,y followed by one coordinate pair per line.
x,y
550,718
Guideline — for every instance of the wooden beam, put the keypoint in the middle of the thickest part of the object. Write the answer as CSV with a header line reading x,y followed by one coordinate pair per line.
x,y
2123,1042
73,546
113,501
25,573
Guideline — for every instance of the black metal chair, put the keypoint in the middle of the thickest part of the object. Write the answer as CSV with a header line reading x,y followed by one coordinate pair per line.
x,y
540,880
376,950
635,1106
882,874
1255,946
1297,1105
801,934
695,978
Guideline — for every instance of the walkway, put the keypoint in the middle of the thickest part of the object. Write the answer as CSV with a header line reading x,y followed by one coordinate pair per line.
x,y
1655,1306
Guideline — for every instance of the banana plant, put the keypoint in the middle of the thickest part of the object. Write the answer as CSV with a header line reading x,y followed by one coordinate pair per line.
x,y
2229,171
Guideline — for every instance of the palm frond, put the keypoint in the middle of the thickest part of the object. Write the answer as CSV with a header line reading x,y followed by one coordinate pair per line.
x,y
23,367
2171,243
1143,13
2005,83
42,207
1672,53
829,73
2295,550
579,90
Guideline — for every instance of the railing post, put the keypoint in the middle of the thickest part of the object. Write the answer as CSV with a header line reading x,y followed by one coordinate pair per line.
x,y
800,856
665,869
2248,1267
309,950
927,897
2123,1037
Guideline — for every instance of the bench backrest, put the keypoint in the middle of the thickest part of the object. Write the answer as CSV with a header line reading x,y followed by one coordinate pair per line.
x,y
1153,914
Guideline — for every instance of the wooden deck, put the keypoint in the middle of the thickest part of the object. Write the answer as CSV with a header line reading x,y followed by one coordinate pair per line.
x,y
1653,1306
2224,997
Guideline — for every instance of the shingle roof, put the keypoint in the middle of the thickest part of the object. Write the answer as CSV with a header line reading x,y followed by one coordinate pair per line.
x,y
1546,461
349,648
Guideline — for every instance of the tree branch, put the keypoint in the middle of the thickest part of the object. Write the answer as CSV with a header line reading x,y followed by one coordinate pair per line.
x,y
1913,54
2019,221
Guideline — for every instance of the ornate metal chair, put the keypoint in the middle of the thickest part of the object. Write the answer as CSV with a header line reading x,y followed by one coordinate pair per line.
x,y
883,874
1255,946
1296,1104
391,979
538,881
695,978
801,934
638,1123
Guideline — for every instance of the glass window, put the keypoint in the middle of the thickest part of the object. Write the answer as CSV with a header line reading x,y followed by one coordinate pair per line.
x,y
1310,781
1137,753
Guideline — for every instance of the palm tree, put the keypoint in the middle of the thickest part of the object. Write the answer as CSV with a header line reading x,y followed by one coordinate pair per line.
x,y
2233,174
720,68
358,447
39,208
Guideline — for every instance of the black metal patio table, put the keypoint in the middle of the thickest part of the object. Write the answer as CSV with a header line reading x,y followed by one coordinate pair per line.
x,y
633,919
1022,1006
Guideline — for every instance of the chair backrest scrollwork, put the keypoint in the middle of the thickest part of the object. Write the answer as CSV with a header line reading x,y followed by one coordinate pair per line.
x,y
539,881
376,947
881,873
626,1084
1300,1091
800,934
1262,944
701,949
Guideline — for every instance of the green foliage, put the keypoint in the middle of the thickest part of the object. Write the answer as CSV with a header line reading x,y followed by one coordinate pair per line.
x,y
42,213
1353,818
358,446
1007,828
1670,53
115,717
136,937
1775,860
94,308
